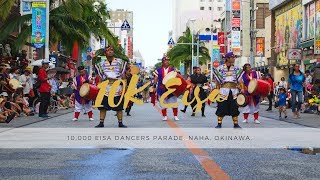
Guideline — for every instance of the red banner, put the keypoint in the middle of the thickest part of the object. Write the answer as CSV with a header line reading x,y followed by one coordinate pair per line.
x,y
75,51
221,38
222,49
236,22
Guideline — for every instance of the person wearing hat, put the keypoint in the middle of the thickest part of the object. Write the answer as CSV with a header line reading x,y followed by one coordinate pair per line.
x,y
26,82
227,79
199,79
5,116
81,103
111,69
159,74
44,89
253,105
194,71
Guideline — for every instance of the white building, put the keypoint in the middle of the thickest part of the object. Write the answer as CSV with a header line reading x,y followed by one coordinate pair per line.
x,y
117,18
137,58
202,11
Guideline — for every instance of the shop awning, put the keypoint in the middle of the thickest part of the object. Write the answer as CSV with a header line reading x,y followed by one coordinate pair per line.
x,y
307,44
311,61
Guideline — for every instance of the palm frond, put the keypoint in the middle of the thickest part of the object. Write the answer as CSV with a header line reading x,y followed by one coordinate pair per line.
x,y
5,8
13,25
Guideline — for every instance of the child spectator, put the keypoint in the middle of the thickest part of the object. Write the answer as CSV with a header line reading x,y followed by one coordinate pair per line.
x,y
282,102
5,116
313,102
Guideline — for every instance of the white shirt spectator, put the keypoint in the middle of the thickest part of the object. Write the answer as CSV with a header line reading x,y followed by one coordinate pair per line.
x,y
308,80
283,84
26,82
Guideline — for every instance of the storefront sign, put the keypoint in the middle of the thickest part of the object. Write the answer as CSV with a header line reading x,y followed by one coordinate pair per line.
x,y
317,29
295,54
288,31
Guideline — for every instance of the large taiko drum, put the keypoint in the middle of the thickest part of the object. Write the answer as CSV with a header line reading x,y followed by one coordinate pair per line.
x,y
15,84
242,100
259,87
89,91
180,89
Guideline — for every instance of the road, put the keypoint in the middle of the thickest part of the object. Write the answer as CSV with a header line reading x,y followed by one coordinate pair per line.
x,y
136,163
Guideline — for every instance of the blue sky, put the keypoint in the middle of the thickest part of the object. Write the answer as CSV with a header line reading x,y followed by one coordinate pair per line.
x,y
152,23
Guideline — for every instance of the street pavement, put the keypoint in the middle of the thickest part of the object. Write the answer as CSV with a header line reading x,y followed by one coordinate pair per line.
x,y
130,163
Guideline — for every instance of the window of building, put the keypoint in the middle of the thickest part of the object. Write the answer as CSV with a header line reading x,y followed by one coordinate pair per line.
x,y
210,0
210,8
219,0
202,8
219,8
260,46
261,14
201,0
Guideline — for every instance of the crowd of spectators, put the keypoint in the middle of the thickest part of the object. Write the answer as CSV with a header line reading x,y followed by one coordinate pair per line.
x,y
19,89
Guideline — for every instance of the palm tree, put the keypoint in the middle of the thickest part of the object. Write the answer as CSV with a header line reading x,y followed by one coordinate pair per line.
x,y
6,7
73,21
182,53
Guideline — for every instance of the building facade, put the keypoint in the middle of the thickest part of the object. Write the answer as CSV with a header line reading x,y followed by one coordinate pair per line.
x,y
202,11
238,34
117,18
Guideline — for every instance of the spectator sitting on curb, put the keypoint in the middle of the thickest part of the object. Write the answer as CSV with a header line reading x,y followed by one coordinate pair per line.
x,y
313,102
9,105
17,98
5,116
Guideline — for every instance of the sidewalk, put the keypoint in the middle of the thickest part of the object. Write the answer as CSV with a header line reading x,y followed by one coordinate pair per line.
x,y
24,121
309,120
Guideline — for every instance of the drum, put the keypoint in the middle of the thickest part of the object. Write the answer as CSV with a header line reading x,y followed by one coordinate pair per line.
x,y
89,91
135,69
319,109
259,87
15,84
242,100
179,88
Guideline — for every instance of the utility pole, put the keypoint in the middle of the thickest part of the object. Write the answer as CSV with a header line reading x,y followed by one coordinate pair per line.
x,y
198,49
46,49
252,32
192,50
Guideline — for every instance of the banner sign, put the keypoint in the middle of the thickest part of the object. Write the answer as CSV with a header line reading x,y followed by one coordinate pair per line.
x,y
294,54
38,37
215,53
317,29
25,8
53,59
221,38
235,25
236,22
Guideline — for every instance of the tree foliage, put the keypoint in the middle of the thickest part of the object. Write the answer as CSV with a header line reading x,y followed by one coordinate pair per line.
x,y
182,53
